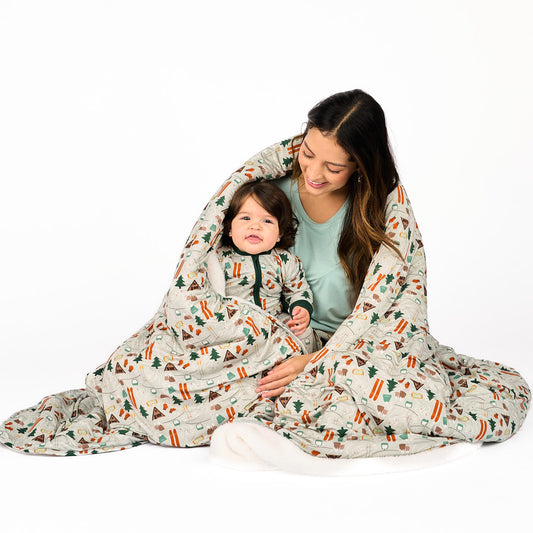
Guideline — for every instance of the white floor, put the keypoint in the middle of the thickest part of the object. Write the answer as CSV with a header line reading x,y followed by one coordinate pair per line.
x,y
152,488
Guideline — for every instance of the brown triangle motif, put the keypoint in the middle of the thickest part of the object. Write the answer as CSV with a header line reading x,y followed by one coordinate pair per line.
x,y
367,306
185,336
119,369
231,311
113,419
40,438
284,400
229,356
213,395
194,286
377,420
156,413
417,384
170,367
360,361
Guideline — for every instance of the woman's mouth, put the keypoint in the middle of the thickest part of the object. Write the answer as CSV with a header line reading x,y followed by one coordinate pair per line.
x,y
315,184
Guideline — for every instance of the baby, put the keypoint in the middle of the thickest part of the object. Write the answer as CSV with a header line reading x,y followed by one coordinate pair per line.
x,y
259,227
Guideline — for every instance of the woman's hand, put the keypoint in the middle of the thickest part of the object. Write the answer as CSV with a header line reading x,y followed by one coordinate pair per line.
x,y
273,384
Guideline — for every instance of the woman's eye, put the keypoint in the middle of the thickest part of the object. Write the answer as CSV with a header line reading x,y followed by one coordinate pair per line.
x,y
306,155
334,171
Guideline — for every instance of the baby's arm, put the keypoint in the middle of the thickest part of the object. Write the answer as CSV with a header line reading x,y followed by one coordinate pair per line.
x,y
296,291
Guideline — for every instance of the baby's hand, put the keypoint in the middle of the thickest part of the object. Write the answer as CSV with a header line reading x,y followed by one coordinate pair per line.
x,y
300,320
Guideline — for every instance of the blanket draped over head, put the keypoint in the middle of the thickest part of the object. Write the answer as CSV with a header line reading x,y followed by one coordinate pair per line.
x,y
382,385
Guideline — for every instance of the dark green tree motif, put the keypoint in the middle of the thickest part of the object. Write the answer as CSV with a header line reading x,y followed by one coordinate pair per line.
x,y
342,432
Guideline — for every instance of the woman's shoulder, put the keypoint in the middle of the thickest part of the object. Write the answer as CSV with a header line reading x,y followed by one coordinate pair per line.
x,y
397,200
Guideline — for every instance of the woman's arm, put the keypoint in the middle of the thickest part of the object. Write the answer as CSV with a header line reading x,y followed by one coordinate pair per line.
x,y
274,383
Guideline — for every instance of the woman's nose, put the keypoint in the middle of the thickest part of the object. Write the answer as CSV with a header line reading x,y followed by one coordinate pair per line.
x,y
313,171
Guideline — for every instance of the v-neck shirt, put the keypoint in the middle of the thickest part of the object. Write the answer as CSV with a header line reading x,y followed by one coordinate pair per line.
x,y
316,246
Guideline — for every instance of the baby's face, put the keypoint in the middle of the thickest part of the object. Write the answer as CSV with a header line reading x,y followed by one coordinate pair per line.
x,y
254,230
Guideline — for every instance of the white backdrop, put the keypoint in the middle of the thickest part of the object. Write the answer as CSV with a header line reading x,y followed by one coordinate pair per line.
x,y
118,121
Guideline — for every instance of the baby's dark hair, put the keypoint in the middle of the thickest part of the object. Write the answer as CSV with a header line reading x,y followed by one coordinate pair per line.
x,y
273,200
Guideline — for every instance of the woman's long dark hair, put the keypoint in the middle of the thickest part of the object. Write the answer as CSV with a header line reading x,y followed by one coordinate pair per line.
x,y
357,123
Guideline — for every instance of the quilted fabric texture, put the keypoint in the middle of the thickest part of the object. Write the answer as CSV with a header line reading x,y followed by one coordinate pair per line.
x,y
382,385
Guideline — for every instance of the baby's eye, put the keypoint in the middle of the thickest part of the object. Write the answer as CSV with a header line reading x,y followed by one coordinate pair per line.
x,y
245,217
268,221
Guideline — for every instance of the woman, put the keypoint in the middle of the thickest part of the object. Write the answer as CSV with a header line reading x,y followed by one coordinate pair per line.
x,y
344,173
380,384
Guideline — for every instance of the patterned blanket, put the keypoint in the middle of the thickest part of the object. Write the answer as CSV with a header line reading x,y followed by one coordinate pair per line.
x,y
381,386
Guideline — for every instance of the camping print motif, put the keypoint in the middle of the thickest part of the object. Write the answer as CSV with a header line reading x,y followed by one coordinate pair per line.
x,y
382,385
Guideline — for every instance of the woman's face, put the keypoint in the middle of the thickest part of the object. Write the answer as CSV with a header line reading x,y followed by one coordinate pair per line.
x,y
326,167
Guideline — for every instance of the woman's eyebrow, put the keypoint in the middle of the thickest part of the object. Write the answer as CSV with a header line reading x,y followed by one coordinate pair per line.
x,y
328,162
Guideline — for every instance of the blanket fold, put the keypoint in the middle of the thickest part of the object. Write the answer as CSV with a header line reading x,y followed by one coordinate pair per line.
x,y
381,386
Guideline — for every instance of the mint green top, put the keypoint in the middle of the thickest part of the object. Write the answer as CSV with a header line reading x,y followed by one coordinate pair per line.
x,y
316,246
